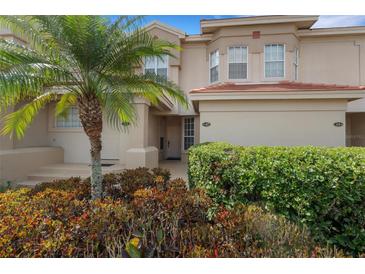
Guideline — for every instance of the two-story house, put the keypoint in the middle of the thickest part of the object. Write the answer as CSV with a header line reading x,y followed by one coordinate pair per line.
x,y
266,80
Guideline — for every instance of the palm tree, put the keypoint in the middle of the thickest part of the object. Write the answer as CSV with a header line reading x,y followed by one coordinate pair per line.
x,y
83,61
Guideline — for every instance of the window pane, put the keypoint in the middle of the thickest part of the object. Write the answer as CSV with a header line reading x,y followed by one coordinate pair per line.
x,y
162,72
281,52
274,69
244,54
214,58
71,120
149,63
268,53
149,71
237,68
162,62
214,74
238,71
274,60
238,55
188,132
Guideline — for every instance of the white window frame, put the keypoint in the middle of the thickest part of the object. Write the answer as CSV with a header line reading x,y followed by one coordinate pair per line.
x,y
155,65
183,131
56,127
210,54
284,70
296,64
242,79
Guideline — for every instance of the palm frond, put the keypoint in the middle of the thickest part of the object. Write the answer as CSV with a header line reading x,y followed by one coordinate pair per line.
x,y
149,86
118,108
66,101
18,121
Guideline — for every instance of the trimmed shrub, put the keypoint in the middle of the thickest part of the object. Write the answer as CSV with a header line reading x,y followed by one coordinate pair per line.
x,y
323,188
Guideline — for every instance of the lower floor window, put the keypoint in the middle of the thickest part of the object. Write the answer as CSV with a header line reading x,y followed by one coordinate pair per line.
x,y
71,120
188,132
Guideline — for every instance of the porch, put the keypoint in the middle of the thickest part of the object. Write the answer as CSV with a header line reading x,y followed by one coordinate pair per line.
x,y
31,166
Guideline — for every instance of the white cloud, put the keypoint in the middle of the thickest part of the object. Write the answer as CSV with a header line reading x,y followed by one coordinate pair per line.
x,y
328,21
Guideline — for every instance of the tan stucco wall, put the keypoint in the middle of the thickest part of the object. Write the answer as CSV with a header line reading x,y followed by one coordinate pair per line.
x,y
331,60
16,164
37,132
274,122
76,144
154,131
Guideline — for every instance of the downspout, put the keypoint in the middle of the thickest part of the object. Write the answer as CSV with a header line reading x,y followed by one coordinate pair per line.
x,y
361,80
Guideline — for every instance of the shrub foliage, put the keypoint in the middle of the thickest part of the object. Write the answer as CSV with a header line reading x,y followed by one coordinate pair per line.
x,y
323,188
145,215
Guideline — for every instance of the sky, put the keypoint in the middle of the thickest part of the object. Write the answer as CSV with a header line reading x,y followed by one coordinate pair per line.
x,y
191,23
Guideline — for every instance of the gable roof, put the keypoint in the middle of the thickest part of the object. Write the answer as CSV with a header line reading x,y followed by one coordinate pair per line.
x,y
167,28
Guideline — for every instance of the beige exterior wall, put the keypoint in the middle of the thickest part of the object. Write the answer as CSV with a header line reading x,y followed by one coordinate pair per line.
x,y
273,122
16,164
333,60
37,133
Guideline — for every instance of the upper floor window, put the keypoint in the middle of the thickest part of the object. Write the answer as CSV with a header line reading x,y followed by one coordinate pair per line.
x,y
274,60
156,65
237,63
71,120
296,64
214,66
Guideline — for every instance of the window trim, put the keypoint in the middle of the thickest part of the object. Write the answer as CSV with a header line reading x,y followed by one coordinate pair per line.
x,y
247,75
155,66
209,68
284,70
183,132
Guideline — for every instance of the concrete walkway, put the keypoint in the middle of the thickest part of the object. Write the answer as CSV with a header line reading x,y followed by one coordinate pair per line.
x,y
63,171
177,168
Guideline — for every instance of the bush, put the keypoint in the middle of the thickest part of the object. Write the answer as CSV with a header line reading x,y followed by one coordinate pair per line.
x,y
123,185
74,184
323,188
57,220
5,185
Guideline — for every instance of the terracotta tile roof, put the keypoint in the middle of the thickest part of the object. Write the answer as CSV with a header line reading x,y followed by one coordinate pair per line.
x,y
276,87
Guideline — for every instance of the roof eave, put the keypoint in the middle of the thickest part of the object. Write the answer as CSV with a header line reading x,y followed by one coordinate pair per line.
x,y
277,95
162,26
208,26
331,31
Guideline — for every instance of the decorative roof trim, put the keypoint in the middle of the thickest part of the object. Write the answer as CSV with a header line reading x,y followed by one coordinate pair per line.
x,y
162,26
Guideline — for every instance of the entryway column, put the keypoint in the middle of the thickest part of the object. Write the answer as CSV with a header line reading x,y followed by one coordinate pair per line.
x,y
139,154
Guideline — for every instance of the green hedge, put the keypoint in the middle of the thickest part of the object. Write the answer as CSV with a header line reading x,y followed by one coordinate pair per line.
x,y
323,188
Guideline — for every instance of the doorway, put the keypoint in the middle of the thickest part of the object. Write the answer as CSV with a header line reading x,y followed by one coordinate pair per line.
x,y
173,138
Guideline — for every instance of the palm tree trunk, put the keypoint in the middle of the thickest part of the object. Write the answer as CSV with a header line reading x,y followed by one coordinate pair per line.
x,y
91,119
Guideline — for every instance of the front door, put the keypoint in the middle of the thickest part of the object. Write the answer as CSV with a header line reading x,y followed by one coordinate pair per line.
x,y
173,137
